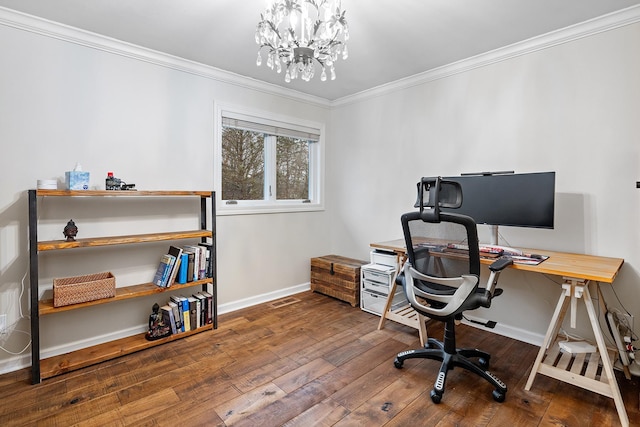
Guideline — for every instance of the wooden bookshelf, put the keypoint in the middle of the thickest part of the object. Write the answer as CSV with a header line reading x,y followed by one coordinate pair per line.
x,y
40,307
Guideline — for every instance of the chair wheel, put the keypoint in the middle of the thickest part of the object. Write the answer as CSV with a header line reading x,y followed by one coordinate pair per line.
x,y
398,363
436,397
484,363
498,396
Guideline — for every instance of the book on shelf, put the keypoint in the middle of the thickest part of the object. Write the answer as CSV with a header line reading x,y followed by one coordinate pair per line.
x,y
209,255
168,319
193,313
209,306
202,309
197,251
182,269
177,254
184,304
177,315
166,262
190,263
202,273
180,303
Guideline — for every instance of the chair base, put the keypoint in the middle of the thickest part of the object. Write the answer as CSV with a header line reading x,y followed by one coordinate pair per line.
x,y
461,357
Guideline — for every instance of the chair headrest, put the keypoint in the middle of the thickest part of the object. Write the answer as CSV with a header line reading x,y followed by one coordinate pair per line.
x,y
435,193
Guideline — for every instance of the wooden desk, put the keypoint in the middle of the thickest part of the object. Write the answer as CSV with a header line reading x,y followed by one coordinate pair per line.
x,y
577,271
578,266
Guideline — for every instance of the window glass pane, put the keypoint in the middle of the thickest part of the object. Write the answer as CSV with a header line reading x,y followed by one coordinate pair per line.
x,y
242,164
267,163
292,168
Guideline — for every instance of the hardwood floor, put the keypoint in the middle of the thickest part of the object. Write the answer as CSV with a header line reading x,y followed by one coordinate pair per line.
x,y
301,361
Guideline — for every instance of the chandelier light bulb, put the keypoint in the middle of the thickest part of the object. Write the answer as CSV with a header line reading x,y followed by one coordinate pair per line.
x,y
302,34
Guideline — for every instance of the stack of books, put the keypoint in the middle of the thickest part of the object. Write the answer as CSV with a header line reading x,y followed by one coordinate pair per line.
x,y
184,264
187,313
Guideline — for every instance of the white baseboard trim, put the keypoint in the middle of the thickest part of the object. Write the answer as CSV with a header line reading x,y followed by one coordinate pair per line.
x,y
259,299
24,360
508,331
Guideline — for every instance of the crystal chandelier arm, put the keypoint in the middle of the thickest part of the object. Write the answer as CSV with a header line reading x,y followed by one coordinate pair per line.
x,y
275,29
293,37
297,39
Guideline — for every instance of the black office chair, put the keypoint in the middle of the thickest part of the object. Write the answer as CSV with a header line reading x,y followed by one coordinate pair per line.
x,y
441,283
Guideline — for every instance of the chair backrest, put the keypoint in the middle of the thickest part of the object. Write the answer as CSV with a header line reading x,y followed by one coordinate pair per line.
x,y
443,251
454,238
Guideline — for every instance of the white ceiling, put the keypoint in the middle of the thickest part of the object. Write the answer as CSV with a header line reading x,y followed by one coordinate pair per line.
x,y
390,39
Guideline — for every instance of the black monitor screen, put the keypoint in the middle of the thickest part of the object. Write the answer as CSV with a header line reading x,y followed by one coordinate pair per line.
x,y
521,200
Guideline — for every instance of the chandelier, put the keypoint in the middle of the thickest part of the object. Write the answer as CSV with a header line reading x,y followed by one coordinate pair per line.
x,y
297,34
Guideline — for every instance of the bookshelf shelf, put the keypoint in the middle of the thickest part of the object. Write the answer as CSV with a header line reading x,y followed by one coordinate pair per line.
x,y
56,365
121,240
43,306
122,293
123,193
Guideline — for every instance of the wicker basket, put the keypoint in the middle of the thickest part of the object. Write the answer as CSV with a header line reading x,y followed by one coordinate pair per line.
x,y
74,290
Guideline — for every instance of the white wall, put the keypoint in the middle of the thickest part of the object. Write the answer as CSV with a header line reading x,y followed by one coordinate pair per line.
x,y
152,125
573,108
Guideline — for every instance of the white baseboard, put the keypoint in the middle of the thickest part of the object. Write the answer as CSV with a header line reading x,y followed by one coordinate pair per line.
x,y
508,331
24,360
259,299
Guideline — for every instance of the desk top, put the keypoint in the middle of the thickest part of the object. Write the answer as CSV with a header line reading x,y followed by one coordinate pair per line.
x,y
577,266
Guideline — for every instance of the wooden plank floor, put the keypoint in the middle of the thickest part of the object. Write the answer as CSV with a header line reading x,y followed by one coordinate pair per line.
x,y
301,361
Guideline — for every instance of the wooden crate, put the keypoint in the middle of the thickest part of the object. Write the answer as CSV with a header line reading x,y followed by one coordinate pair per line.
x,y
338,277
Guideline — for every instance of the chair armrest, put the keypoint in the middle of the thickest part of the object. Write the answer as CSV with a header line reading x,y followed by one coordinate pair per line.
x,y
496,268
500,264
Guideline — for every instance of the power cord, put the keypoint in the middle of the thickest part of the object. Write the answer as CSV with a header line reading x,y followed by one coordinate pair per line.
x,y
20,312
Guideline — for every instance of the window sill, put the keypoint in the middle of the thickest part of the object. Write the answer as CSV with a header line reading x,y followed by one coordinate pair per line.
x,y
222,209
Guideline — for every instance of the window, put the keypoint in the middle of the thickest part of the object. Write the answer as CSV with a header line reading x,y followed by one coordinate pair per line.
x,y
267,164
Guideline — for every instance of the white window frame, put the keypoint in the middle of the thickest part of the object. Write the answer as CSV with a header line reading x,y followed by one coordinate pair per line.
x,y
270,204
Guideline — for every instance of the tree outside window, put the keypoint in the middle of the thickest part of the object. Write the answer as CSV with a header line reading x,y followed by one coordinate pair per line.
x,y
292,164
242,165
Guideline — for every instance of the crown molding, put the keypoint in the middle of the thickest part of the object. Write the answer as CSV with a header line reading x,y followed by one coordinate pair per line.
x,y
47,28
569,34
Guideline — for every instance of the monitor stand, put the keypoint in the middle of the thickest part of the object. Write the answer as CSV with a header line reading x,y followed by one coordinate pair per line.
x,y
494,235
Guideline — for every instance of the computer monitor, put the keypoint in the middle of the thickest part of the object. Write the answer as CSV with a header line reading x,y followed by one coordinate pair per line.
x,y
507,199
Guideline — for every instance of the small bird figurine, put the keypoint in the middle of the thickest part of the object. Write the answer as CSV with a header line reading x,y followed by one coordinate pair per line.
x,y
70,231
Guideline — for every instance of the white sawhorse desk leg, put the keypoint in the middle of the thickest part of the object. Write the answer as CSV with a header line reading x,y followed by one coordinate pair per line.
x,y
404,315
555,364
